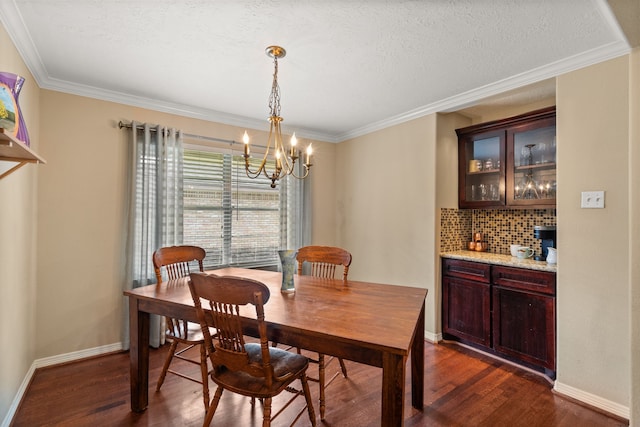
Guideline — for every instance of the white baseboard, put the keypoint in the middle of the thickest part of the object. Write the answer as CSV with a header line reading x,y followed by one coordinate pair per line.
x,y
18,397
54,360
77,355
431,337
593,400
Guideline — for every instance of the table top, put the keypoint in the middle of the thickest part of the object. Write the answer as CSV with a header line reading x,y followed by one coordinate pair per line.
x,y
382,317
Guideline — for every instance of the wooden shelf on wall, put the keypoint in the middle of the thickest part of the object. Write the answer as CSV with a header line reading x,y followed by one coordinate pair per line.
x,y
12,150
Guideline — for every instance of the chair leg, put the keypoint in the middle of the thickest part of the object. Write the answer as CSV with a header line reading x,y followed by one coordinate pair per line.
x,y
321,380
343,367
266,417
167,362
205,376
307,397
212,407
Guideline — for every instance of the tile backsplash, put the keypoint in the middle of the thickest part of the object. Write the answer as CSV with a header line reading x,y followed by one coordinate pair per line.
x,y
455,229
501,228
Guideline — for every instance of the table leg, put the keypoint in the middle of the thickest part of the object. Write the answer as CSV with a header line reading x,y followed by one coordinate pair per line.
x,y
138,356
417,364
393,372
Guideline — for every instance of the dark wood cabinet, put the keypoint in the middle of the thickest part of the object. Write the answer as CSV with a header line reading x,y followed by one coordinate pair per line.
x,y
524,326
508,163
524,314
466,301
466,308
505,310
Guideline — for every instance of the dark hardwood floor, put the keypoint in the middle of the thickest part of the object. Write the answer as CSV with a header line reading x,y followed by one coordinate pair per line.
x,y
462,388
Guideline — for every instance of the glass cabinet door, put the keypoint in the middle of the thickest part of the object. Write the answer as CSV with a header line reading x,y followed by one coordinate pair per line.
x,y
531,175
482,171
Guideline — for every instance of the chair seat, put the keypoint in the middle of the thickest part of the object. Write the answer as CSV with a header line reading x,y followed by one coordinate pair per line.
x,y
283,362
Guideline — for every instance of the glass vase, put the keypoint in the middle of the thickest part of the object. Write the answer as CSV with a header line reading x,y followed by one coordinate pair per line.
x,y
288,263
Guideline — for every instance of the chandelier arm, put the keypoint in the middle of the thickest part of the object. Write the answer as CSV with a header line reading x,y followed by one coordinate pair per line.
x,y
288,164
257,172
262,169
306,173
277,174
252,174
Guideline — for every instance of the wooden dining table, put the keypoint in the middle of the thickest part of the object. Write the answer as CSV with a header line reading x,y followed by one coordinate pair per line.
x,y
375,324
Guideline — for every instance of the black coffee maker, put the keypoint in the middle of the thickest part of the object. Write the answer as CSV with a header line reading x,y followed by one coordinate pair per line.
x,y
548,235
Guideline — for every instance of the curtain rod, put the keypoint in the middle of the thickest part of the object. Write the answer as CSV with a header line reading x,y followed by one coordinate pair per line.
x,y
121,125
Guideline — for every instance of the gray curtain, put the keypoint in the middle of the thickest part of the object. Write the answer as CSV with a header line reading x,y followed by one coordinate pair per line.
x,y
295,210
155,207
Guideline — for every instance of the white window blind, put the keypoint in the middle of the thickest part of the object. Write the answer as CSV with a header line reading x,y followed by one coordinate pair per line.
x,y
237,220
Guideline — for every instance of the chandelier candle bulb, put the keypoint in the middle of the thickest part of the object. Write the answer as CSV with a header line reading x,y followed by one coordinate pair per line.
x,y
294,141
309,151
245,139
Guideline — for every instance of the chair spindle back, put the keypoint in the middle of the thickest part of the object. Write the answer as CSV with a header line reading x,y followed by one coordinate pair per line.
x,y
223,296
324,260
176,261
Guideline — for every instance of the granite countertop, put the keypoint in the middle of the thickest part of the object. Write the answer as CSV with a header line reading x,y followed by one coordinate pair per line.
x,y
499,259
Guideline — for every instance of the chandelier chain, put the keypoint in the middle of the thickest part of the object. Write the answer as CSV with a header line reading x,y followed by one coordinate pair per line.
x,y
274,97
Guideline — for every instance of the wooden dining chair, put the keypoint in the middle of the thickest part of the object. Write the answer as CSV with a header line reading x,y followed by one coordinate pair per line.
x,y
177,261
323,262
251,369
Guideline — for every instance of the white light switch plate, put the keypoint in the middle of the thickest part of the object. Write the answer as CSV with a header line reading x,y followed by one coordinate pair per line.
x,y
592,200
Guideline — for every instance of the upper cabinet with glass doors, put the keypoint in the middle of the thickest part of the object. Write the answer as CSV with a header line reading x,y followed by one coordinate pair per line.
x,y
509,163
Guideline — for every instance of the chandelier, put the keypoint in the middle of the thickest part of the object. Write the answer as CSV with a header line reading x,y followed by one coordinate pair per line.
x,y
284,160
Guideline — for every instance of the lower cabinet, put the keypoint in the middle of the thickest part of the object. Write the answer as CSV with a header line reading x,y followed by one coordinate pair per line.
x,y
504,310
466,308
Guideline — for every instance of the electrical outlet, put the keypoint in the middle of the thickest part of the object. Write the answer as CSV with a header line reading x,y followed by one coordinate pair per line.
x,y
592,200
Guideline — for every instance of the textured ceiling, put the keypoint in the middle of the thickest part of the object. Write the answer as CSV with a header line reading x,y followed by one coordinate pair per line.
x,y
352,66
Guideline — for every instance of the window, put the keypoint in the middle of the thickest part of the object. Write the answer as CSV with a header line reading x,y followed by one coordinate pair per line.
x,y
238,221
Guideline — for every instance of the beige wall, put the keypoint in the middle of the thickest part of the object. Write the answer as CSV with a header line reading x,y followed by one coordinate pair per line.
x,y
323,197
385,201
447,160
446,198
498,112
81,193
634,252
593,244
18,237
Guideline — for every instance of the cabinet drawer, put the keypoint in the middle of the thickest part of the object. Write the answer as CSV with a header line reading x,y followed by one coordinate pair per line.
x,y
466,270
520,278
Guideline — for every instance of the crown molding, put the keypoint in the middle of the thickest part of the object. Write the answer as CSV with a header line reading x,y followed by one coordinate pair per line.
x,y
12,21
170,107
450,104
14,24
469,98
